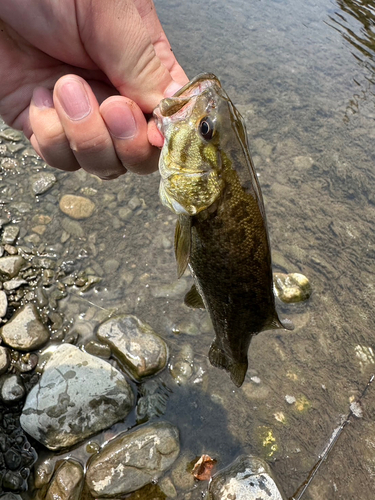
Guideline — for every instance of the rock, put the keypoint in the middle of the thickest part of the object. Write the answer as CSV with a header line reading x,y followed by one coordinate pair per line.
x,y
76,396
98,349
170,290
10,496
10,235
247,478
42,182
4,359
133,460
10,266
125,213
12,389
153,400
67,483
76,207
72,228
111,266
134,203
137,347
25,331
10,134
13,284
292,287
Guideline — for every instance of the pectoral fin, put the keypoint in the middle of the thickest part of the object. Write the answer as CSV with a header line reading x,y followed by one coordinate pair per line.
x,y
182,243
193,299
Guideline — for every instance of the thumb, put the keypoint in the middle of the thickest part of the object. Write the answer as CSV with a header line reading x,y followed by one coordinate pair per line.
x,y
130,47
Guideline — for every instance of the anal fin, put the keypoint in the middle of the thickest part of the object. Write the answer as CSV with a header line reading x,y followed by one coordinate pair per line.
x,y
193,299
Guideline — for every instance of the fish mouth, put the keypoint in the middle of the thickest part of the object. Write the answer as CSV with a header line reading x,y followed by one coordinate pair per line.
x,y
179,104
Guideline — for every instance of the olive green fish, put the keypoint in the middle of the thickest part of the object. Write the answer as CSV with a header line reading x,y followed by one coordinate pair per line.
x,y
208,180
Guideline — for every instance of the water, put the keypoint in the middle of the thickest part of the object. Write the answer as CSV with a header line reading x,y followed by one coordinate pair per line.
x,y
302,75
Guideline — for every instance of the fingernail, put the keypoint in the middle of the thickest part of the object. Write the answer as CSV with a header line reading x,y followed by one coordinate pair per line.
x,y
74,99
172,89
42,98
121,122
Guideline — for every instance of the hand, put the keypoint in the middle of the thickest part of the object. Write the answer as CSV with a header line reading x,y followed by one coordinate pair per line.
x,y
78,77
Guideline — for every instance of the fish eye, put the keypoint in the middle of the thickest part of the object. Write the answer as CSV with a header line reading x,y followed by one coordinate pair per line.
x,y
206,128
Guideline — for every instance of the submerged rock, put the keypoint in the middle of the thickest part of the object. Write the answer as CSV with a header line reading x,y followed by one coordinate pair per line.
x,y
133,460
292,287
76,396
11,265
247,478
67,483
25,331
42,182
76,207
137,347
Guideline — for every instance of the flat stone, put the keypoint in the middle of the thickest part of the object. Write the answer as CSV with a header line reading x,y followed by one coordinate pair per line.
x,y
72,228
76,396
67,483
137,347
11,265
247,478
42,182
13,284
9,134
290,288
133,460
25,331
76,207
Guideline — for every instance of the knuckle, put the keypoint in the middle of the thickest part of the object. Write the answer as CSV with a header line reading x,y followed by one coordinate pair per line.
x,y
90,146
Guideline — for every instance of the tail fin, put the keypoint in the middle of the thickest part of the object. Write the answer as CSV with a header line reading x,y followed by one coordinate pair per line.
x,y
219,359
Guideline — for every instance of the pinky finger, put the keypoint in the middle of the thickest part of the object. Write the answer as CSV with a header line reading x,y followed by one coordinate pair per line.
x,y
48,138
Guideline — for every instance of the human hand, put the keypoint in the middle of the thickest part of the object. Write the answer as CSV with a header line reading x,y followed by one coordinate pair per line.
x,y
78,77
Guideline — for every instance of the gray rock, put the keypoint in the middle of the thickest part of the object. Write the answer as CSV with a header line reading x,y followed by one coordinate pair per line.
x,y
3,303
247,478
9,134
67,483
137,347
10,235
4,359
125,213
42,182
72,227
76,207
11,265
133,460
12,389
25,331
76,396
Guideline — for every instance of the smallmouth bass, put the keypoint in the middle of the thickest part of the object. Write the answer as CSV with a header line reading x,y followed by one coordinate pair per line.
x,y
209,181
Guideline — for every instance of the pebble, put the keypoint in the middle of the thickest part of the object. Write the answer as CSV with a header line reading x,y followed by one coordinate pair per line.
x,y
3,303
42,182
171,290
290,399
76,207
13,284
72,228
292,287
4,359
9,164
137,347
12,389
76,396
247,478
67,482
25,330
132,460
11,265
10,134
125,213
111,266
98,349
134,203
10,234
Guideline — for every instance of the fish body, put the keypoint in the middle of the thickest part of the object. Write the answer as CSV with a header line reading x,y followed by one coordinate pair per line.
x,y
208,180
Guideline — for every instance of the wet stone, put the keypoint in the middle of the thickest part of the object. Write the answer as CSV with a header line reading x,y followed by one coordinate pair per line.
x,y
25,331
4,359
13,284
76,396
3,303
67,483
42,182
10,234
133,460
10,134
11,265
12,389
72,228
125,213
247,478
98,349
76,207
10,496
9,164
292,287
137,347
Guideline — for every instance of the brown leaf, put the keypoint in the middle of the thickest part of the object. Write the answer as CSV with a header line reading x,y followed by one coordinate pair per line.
x,y
202,469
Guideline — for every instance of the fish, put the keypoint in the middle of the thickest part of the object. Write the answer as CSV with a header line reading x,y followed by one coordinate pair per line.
x,y
208,179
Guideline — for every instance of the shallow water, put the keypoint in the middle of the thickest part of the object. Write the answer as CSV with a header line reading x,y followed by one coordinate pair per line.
x,y
302,75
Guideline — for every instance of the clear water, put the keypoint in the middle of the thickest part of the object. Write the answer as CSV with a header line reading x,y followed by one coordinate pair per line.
x,y
302,75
